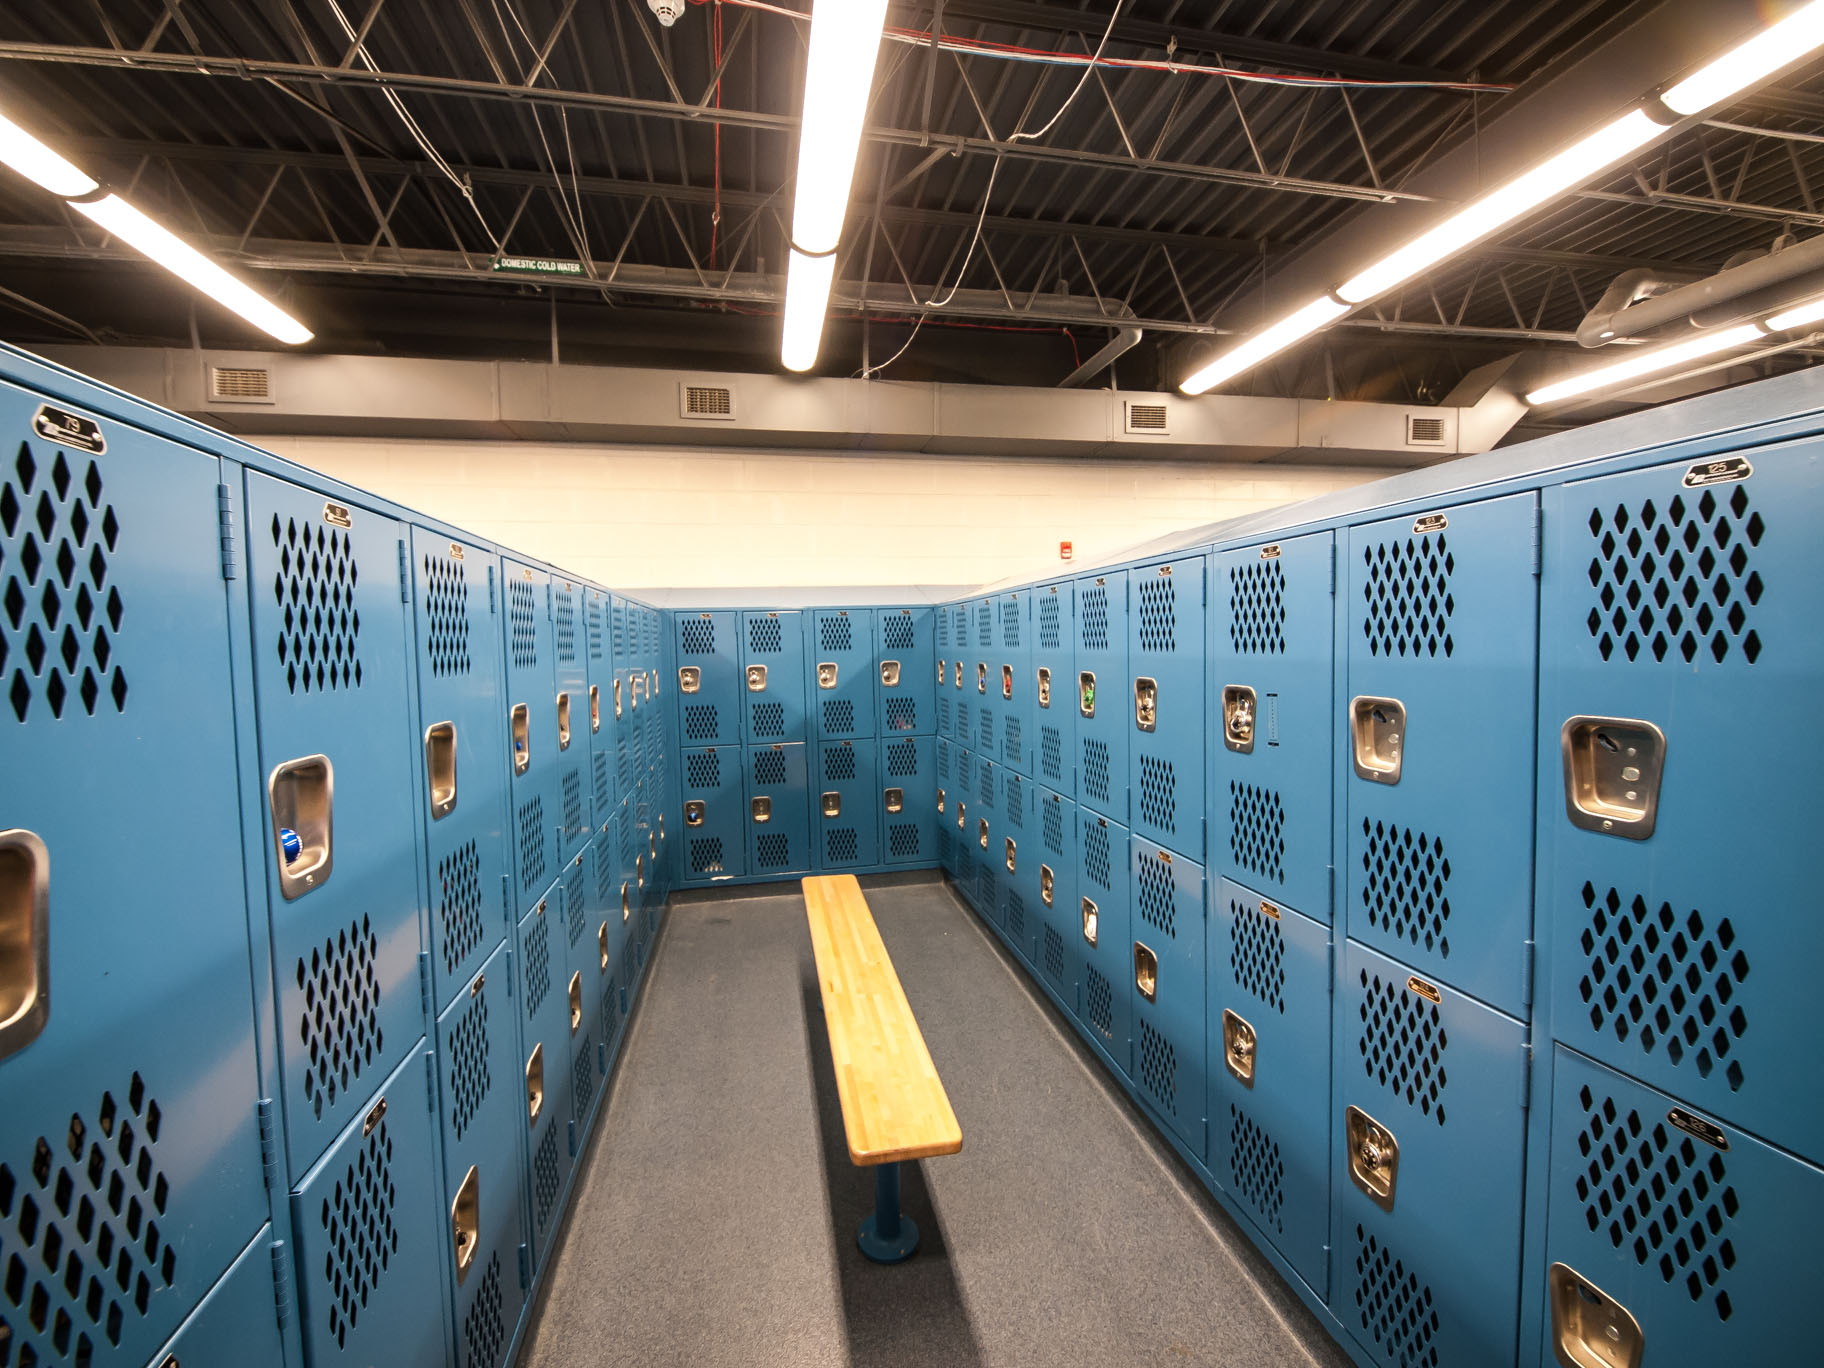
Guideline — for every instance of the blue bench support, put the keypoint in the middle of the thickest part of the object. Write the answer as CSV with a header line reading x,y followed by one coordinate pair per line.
x,y
887,1236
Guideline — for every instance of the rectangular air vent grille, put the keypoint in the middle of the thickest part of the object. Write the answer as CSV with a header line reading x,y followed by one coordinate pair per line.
x,y
706,401
1424,431
1147,419
241,384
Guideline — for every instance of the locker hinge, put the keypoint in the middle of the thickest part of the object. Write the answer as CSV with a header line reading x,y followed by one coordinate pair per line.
x,y
269,1145
491,607
1538,539
525,1267
548,609
1526,1077
281,1284
570,1137
1333,556
424,986
509,968
506,902
1330,894
224,505
430,1081
1330,956
1526,973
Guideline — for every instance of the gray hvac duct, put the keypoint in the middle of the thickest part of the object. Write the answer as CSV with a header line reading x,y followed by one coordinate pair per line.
x,y
1758,286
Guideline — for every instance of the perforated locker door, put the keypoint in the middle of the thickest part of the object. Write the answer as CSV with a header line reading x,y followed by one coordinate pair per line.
x,y
961,820
1166,645
581,946
1053,884
772,688
234,1322
1101,692
709,690
1013,842
570,644
542,1072
1007,684
984,834
113,560
608,932
905,795
532,756
845,806
1104,945
981,686
1268,1052
1272,653
617,704
1051,688
959,685
604,781
1437,1277
1165,985
778,810
366,1224
1702,1234
903,660
330,677
712,818
944,752
480,1101
1680,958
1438,868
839,680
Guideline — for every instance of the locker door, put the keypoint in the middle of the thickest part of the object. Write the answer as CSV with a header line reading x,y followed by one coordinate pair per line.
x,y
234,1323
618,709
1166,644
1021,914
980,683
1441,662
330,677
1664,1220
605,909
944,803
1690,608
1103,944
987,835
477,1069
714,820
1008,686
570,646
848,823
709,679
962,676
606,791
772,662
841,680
110,785
543,1072
1054,884
941,694
1166,984
1268,1056
1051,689
778,826
1272,648
907,800
532,732
1429,1156
962,820
903,657
1100,693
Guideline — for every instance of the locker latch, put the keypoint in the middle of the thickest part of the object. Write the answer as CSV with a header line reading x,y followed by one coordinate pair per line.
x,y
465,1223
1238,711
1378,726
826,674
1146,972
832,804
940,800
595,709
690,678
1044,687
981,677
535,1085
1007,682
302,796
1091,915
1086,693
575,993
895,800
25,932
601,946
756,679
1612,768
1238,1044
694,812
1590,1329
440,768
520,721
1010,856
1374,1157
1048,883
1146,703
762,809
889,674
981,833
617,698
959,674
563,721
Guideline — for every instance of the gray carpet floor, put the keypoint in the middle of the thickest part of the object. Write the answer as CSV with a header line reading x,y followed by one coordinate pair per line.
x,y
714,1221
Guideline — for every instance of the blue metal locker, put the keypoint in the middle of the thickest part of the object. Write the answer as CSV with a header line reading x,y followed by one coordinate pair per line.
x,y
633,874
367,1229
1438,865
1272,648
709,679
946,754
1012,844
981,681
986,835
1672,1237
778,825
1104,947
605,910
235,1323
455,599
533,724
1425,1265
841,682
331,678
1051,688
125,1040
1054,884
1677,951
1165,894
569,634
904,662
1008,686
908,800
625,626
1166,658
478,1072
579,931
602,761
715,820
1268,1013
962,798
543,1075
962,677
772,664
1100,693
848,823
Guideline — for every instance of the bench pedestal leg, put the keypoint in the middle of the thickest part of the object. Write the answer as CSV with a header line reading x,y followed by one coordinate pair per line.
x,y
887,1236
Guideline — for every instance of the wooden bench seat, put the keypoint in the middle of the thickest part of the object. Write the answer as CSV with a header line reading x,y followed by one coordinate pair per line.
x,y
894,1107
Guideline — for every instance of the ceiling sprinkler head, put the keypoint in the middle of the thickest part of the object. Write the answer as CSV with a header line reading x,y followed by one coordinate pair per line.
x,y
667,10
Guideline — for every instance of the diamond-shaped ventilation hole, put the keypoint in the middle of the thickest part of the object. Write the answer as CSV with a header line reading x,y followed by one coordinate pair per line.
x,y
339,1016
576,910
1097,866
1396,1307
1051,753
769,767
841,845
531,844
1257,831
1257,608
1016,915
1013,801
703,769
1402,1043
564,617
1158,794
697,636
1049,637
987,887
446,615
838,716
1157,1061
773,851
1157,906
582,1076
484,1326
701,721
705,855
901,714
898,634
1408,597
769,720
985,731
764,636
470,1077
1012,743
984,625
1010,622
1257,1173
357,1221
1406,888
1099,1003
314,590
1158,615
547,1176
902,759
459,904
1051,825
574,824
835,634
1092,618
604,784
1095,769
1257,953
536,950
902,840
522,621
1679,582
838,764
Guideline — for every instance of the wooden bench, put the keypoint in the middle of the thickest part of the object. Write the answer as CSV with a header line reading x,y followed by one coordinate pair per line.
x,y
894,1107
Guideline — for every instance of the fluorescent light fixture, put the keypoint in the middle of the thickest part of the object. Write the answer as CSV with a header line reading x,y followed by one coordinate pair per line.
x,y
807,296
1779,45
1526,192
184,261
1798,316
1646,363
1268,342
36,162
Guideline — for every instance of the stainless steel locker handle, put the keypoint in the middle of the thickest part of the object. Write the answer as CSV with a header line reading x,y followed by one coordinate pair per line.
x,y
981,833
617,698
826,674
1590,1329
1044,687
25,939
1047,883
563,721
519,723
690,679
301,796
595,709
465,1223
1612,769
535,1085
981,677
576,1001
1378,726
1374,1156
832,804
895,800
601,946
1146,703
1146,972
756,679
1086,693
1011,852
1239,707
889,674
762,809
1238,1047
1007,682
440,768
1091,915
695,810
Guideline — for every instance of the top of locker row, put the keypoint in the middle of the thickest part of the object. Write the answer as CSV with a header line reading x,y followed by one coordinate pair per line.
x,y
92,399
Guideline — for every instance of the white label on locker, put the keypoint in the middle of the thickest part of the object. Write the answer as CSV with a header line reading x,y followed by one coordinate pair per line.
x,y
337,516
1431,522
69,429
1726,471
1696,1125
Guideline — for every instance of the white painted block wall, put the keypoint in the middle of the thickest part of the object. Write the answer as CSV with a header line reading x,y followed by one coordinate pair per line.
x,y
643,518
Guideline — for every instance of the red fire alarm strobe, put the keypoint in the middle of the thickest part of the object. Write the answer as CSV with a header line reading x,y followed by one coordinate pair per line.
x,y
1064,550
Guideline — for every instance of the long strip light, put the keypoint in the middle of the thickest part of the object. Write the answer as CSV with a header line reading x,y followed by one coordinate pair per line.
x,y
39,164
1773,48
839,71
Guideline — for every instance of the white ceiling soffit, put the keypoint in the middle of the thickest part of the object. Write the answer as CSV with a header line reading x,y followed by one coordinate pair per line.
x,y
380,396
